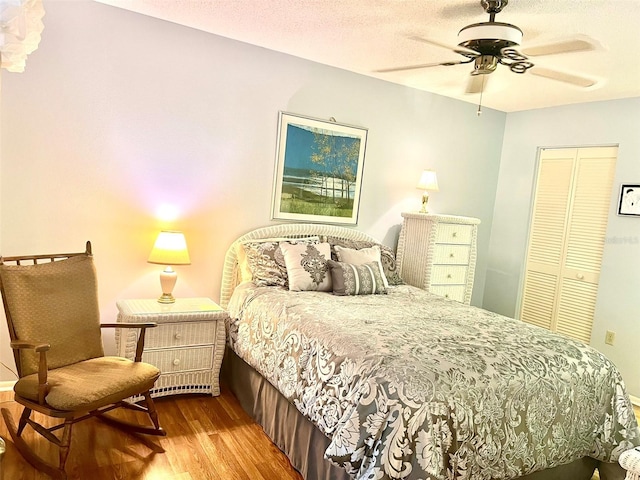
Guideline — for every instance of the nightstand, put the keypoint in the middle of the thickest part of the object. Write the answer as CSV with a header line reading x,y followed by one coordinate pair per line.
x,y
187,345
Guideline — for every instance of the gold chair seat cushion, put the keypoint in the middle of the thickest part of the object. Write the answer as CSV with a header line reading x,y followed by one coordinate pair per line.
x,y
91,384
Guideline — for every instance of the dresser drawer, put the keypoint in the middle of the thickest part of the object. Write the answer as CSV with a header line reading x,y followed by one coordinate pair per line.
x,y
180,359
451,254
180,334
454,233
449,275
453,292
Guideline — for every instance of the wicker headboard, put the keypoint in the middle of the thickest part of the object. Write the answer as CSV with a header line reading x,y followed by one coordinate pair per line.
x,y
230,272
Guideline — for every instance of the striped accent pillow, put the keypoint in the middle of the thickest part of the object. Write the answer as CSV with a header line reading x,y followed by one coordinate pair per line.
x,y
349,279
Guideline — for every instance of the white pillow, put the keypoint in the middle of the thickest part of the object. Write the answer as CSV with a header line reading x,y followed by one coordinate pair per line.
x,y
360,257
307,267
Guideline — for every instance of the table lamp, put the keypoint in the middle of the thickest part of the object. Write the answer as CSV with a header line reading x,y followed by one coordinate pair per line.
x,y
428,182
170,249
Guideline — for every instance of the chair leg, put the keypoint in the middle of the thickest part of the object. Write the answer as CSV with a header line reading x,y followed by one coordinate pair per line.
x,y
26,413
65,443
26,451
151,407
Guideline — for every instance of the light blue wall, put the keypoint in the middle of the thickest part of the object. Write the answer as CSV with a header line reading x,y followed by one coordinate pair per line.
x,y
618,303
118,113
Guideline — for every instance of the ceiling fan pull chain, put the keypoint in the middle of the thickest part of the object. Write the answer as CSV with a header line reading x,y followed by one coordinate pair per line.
x,y
479,112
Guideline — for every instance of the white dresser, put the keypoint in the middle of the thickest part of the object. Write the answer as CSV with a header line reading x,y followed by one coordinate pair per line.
x,y
438,253
187,345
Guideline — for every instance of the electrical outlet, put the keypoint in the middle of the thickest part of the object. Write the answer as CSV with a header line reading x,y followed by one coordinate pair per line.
x,y
609,337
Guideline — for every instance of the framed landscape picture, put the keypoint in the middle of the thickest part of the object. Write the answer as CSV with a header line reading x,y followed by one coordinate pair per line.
x,y
318,173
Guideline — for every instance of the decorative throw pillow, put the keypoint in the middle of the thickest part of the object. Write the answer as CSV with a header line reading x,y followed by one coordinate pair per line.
x,y
359,257
243,264
307,266
266,261
390,266
387,257
362,255
350,279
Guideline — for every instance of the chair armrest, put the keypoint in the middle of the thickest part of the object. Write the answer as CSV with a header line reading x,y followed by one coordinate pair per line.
x,y
143,330
41,348
38,347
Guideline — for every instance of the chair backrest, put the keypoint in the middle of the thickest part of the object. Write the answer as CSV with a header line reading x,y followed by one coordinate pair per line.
x,y
52,299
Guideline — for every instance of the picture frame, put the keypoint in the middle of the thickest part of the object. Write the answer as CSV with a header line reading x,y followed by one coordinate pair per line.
x,y
629,204
319,168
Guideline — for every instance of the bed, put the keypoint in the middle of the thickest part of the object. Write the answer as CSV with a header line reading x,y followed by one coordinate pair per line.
x,y
397,383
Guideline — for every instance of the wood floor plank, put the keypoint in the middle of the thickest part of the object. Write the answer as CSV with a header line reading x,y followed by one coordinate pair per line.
x,y
208,438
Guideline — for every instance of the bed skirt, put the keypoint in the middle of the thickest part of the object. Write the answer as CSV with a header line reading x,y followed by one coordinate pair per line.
x,y
305,445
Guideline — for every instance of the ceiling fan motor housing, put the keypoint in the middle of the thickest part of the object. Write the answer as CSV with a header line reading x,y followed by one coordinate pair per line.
x,y
493,6
489,38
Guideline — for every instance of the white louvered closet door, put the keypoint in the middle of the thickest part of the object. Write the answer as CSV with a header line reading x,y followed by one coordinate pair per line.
x,y
566,239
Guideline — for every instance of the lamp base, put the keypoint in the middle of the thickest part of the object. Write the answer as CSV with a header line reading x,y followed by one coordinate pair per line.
x,y
168,279
425,200
166,298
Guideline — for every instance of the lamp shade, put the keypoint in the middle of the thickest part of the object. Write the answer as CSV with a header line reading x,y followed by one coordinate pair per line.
x,y
428,181
170,249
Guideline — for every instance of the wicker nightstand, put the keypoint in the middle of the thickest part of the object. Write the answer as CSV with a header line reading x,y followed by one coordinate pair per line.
x,y
187,345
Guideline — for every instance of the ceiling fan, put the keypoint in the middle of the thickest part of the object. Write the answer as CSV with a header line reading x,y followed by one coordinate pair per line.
x,y
489,44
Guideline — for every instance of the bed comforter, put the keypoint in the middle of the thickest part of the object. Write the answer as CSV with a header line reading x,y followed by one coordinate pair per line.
x,y
413,386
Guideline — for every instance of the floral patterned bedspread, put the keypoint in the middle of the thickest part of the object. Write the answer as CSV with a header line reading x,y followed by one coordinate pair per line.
x,y
413,386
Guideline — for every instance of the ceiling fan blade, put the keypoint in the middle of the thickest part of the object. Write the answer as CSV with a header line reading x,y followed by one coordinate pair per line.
x,y
565,77
477,84
577,44
423,65
457,49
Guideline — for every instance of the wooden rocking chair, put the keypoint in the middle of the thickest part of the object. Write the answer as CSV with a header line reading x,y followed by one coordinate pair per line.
x,y
51,305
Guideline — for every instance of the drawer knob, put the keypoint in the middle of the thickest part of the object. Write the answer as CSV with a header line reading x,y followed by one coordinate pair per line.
x,y
451,255
176,362
454,234
446,295
580,276
448,275
177,336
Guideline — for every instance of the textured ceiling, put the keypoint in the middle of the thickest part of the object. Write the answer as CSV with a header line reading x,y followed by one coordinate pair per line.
x,y
364,36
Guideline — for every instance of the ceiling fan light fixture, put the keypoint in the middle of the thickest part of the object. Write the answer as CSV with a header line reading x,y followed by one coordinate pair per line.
x,y
484,65
503,35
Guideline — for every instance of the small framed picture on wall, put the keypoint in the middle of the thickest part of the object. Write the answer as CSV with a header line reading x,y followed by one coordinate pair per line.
x,y
629,200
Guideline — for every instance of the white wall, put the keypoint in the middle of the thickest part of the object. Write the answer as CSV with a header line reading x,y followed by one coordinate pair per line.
x,y
618,303
118,114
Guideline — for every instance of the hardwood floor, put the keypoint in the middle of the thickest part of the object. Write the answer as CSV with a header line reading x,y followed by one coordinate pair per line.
x,y
207,438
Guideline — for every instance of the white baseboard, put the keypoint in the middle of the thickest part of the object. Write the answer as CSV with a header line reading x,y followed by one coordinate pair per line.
x,y
635,400
7,386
